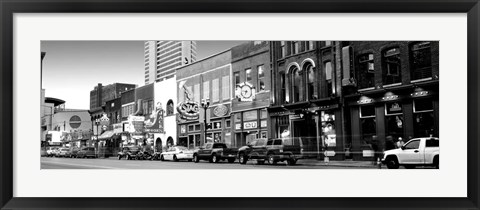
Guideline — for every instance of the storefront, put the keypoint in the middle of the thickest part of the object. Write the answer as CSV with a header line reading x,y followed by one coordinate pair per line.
x,y
249,125
384,117
218,127
319,125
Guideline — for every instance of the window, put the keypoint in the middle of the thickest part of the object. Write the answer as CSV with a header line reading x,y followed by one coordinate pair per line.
x,y
368,122
413,144
392,72
328,43
248,75
225,88
421,59
215,90
329,135
250,115
329,78
283,92
196,92
261,78
432,143
311,90
366,72
206,90
237,78
170,108
296,85
295,47
227,123
423,117
308,45
282,49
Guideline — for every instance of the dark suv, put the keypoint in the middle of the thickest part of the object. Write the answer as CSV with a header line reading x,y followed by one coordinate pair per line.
x,y
278,150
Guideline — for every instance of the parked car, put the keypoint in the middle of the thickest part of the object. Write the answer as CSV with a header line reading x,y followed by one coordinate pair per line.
x,y
51,151
215,152
62,152
86,152
72,153
279,150
416,152
244,153
55,152
177,153
128,152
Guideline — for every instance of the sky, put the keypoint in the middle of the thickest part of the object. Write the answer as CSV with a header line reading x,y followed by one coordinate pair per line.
x,y
71,69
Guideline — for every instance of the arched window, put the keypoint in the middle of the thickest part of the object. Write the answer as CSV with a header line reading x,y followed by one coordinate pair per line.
x,y
296,84
283,90
329,78
311,90
169,107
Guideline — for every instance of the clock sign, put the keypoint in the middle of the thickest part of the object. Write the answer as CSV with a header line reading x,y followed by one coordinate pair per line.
x,y
245,92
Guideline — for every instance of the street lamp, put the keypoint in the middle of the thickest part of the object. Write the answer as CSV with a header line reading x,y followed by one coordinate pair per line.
x,y
205,105
97,123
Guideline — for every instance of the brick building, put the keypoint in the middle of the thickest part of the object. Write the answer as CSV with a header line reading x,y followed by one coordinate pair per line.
x,y
394,93
251,82
209,78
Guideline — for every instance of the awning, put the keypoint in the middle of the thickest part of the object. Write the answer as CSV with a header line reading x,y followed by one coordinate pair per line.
x,y
106,135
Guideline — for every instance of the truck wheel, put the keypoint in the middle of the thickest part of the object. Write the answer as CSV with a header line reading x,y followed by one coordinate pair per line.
x,y
214,158
231,160
271,159
436,162
195,158
175,158
291,161
242,159
392,163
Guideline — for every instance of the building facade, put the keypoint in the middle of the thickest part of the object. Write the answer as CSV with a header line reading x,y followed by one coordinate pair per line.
x,y
205,80
162,58
251,84
306,92
394,93
163,128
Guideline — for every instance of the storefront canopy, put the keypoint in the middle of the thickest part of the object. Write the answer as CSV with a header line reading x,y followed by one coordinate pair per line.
x,y
106,135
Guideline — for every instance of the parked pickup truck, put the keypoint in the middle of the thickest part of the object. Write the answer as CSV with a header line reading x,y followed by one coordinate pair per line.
x,y
214,152
278,150
416,152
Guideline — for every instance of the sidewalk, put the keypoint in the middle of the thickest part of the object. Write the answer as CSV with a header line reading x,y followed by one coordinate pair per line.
x,y
342,163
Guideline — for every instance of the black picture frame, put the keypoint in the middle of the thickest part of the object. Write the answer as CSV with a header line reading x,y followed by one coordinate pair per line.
x,y
10,7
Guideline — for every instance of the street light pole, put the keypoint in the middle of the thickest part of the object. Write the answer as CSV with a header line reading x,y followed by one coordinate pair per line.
x,y
97,123
205,105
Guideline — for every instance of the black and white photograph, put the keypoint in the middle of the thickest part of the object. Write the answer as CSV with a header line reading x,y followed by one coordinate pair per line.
x,y
170,104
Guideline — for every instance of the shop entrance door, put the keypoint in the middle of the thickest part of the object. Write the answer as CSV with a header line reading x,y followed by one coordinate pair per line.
x,y
298,128
158,145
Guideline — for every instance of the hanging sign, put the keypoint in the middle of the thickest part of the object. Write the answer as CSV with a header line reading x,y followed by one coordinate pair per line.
x,y
188,110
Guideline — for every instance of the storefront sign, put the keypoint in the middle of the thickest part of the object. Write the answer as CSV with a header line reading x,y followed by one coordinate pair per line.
x,y
238,126
263,123
183,129
220,110
295,116
154,122
117,128
249,125
245,92
188,110
136,124
393,108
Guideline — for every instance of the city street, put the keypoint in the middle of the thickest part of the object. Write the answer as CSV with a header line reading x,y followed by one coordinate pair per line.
x,y
113,163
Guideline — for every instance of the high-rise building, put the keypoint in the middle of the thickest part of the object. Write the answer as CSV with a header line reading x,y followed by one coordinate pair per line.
x,y
162,58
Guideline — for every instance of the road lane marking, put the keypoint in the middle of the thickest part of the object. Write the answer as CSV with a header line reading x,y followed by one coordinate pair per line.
x,y
70,164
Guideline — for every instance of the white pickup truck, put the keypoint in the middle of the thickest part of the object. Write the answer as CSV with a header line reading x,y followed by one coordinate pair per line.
x,y
416,152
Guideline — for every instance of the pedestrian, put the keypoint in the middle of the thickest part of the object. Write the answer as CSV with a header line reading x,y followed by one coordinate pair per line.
x,y
389,144
376,149
400,142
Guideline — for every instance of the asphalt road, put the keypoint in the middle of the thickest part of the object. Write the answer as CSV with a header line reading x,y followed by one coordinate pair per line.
x,y
113,163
